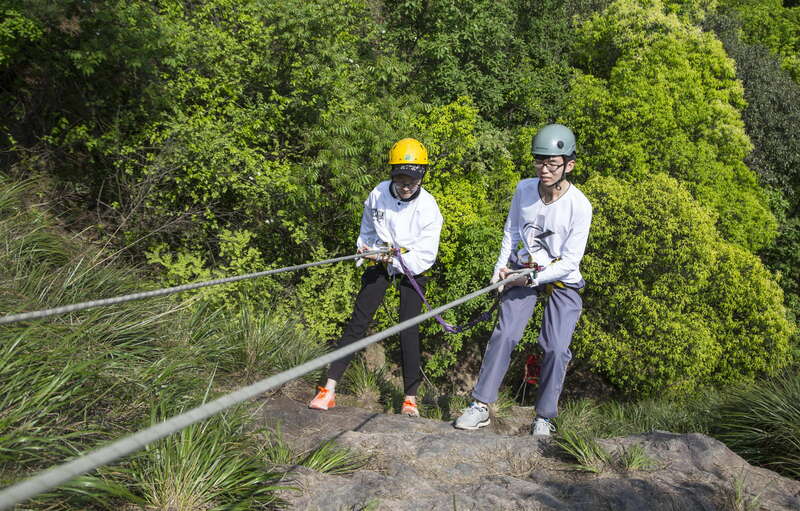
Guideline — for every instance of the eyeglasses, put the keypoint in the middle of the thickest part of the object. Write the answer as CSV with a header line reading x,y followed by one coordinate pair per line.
x,y
406,186
550,165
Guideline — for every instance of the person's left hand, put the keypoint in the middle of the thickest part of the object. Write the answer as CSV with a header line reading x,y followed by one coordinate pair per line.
x,y
521,281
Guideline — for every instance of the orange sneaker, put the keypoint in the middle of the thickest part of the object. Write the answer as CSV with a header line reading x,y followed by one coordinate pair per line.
x,y
410,409
323,400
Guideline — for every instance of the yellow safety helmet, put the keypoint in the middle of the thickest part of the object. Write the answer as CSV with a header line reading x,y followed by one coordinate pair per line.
x,y
408,151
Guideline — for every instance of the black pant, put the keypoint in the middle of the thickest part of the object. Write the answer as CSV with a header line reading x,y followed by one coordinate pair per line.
x,y
374,283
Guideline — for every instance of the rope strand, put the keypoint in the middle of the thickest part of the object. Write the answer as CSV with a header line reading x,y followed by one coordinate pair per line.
x,y
13,318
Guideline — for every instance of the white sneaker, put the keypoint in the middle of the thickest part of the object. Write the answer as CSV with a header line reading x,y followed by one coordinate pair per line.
x,y
542,427
474,417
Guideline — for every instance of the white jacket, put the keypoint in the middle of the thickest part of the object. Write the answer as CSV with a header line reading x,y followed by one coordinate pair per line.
x,y
552,235
414,225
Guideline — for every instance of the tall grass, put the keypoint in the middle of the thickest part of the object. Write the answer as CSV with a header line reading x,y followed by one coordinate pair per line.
x,y
259,345
70,382
689,414
761,422
209,466
62,378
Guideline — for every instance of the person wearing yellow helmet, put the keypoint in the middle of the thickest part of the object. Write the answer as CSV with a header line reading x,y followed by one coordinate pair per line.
x,y
409,162
401,214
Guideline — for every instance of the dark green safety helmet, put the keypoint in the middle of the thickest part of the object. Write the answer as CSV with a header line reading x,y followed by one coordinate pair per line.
x,y
554,140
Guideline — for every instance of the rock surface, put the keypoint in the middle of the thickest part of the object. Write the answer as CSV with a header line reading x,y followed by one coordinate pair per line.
x,y
427,464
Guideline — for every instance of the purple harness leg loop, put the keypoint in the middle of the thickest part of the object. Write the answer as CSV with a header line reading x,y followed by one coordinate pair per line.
x,y
451,329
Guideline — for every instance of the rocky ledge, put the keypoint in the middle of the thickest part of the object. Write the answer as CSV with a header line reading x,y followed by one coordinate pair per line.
x,y
416,463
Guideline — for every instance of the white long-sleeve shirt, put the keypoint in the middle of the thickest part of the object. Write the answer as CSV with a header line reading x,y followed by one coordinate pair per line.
x,y
414,225
552,235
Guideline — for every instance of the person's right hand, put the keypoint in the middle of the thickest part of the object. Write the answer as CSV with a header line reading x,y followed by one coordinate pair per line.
x,y
365,248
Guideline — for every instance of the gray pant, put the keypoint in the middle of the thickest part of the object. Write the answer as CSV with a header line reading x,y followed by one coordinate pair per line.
x,y
561,314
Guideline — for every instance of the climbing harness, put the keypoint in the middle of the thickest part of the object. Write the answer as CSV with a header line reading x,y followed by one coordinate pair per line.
x,y
451,329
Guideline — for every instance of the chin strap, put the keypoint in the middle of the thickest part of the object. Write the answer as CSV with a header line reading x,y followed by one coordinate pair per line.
x,y
557,184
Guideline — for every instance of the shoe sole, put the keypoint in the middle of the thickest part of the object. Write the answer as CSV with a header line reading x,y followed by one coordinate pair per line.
x,y
312,407
473,428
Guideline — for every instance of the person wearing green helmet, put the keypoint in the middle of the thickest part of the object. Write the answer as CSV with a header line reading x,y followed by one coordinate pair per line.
x,y
547,226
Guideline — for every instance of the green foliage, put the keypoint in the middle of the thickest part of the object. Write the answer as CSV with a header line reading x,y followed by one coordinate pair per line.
x,y
15,30
260,344
670,305
739,498
771,118
771,24
659,95
330,458
63,376
693,10
77,83
229,137
760,422
204,466
590,455
685,414
324,298
757,420
235,256
782,257
361,381
634,457
74,380
771,113
275,449
491,51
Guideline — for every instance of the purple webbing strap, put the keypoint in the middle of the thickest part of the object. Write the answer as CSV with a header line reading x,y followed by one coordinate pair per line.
x,y
451,329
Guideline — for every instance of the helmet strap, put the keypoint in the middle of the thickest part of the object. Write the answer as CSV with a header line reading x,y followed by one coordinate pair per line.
x,y
557,184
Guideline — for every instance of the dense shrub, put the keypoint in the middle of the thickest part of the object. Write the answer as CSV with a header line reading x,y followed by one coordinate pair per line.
x,y
774,24
771,119
488,50
669,305
657,93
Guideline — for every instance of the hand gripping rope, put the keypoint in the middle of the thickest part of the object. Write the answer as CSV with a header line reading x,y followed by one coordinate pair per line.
x,y
13,318
60,474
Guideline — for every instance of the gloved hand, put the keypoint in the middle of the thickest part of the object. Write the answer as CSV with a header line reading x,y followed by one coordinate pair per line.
x,y
361,260
496,278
